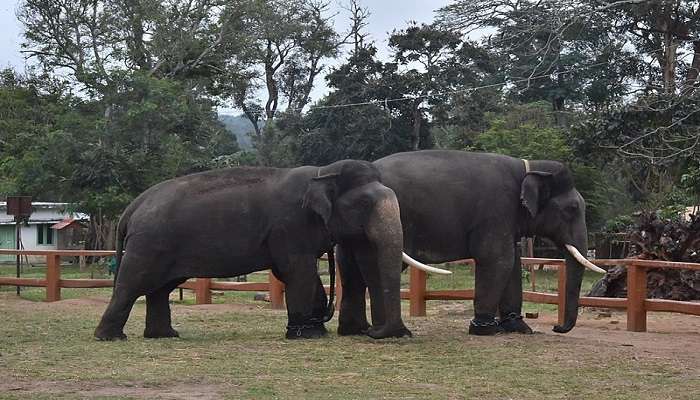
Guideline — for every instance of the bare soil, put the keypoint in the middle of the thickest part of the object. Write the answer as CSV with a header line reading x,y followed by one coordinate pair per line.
x,y
668,354
199,391
669,336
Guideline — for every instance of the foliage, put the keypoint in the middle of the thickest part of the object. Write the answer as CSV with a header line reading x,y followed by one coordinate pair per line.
x,y
57,147
430,62
525,132
286,43
126,90
619,224
547,50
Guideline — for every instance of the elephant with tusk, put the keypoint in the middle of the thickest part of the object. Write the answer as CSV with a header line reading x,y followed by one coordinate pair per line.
x,y
235,221
457,205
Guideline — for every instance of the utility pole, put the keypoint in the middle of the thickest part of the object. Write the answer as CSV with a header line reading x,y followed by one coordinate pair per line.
x,y
21,208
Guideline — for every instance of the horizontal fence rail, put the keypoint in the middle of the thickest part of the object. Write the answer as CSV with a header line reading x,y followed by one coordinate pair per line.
x,y
636,304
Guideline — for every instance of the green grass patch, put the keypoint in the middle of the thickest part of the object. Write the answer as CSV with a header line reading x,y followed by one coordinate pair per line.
x,y
238,352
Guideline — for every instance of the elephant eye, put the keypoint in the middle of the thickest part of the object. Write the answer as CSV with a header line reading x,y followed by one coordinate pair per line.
x,y
571,210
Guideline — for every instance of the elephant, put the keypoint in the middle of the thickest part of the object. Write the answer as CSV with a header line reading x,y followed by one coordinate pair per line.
x,y
456,205
230,222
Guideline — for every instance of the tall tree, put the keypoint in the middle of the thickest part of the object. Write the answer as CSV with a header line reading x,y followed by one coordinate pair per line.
x,y
434,71
287,43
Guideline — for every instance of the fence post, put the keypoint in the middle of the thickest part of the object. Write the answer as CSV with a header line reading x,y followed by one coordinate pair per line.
x,y
561,292
202,291
276,292
53,277
636,294
417,292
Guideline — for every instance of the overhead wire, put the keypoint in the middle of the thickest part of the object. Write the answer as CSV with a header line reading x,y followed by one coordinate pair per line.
x,y
457,91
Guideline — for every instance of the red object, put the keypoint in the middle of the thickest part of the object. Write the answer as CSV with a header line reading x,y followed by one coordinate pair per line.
x,y
64,224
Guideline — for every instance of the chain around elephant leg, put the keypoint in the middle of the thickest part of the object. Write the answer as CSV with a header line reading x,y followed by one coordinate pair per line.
x,y
513,322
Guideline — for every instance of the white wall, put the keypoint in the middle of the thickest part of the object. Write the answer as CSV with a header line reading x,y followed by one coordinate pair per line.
x,y
43,213
29,239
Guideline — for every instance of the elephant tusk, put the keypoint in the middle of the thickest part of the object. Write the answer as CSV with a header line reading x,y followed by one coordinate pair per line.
x,y
427,268
583,260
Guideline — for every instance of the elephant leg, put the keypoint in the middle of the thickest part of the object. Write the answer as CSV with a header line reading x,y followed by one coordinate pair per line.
x,y
353,315
383,325
510,307
305,297
494,265
111,326
138,276
158,318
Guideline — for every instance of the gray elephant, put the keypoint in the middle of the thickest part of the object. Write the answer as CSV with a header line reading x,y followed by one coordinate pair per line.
x,y
231,222
457,205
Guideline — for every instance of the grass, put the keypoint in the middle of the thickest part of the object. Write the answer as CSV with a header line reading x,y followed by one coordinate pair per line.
x,y
236,351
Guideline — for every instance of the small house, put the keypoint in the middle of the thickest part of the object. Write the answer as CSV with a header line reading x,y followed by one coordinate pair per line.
x,y
50,227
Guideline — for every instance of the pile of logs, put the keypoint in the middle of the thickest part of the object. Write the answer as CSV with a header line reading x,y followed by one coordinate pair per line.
x,y
656,238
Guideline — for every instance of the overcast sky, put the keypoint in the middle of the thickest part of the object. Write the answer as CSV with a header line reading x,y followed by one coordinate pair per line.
x,y
386,15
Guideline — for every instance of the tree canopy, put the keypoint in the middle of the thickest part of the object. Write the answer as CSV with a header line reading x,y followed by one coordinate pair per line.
x,y
125,93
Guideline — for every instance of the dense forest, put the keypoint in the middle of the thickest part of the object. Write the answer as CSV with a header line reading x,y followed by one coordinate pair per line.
x,y
122,94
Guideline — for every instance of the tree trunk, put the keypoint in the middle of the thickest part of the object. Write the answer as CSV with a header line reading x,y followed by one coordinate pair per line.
x,y
101,233
660,239
669,67
415,133
692,77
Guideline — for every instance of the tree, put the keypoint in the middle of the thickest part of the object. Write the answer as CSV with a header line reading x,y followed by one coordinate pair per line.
x,y
97,41
334,128
147,73
526,131
55,145
287,43
430,63
549,50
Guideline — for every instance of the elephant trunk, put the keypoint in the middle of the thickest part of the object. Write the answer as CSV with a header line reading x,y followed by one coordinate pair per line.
x,y
574,276
384,231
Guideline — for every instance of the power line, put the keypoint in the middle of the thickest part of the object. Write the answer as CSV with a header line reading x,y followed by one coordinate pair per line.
x,y
452,92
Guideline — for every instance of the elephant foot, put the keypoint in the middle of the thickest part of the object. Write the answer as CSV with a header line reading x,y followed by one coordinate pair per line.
x,y
485,328
160,333
313,331
562,328
514,323
350,329
384,332
106,336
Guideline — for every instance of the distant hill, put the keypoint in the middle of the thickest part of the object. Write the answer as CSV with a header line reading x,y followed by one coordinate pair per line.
x,y
240,126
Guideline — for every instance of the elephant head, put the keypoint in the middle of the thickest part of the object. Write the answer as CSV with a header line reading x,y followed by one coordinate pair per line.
x,y
557,211
357,209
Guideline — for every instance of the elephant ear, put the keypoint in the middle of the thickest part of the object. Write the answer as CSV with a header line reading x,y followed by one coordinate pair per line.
x,y
319,196
535,190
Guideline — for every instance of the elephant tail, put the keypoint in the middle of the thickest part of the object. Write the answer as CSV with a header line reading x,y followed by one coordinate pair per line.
x,y
121,241
330,309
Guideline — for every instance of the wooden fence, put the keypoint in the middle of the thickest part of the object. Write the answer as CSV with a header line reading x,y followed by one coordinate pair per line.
x,y
636,304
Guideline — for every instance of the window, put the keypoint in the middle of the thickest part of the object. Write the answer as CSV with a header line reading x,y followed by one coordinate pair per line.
x,y
44,234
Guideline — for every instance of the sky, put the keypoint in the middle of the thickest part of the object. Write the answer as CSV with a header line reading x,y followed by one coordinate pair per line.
x,y
385,15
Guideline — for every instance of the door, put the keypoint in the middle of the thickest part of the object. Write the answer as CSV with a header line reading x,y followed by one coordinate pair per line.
x,y
7,241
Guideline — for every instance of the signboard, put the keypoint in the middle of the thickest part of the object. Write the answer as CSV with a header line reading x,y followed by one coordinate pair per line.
x,y
19,206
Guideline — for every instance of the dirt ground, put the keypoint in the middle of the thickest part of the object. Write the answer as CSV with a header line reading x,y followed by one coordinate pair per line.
x,y
671,339
668,335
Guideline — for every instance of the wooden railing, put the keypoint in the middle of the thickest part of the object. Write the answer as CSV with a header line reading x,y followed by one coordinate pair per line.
x,y
202,287
636,304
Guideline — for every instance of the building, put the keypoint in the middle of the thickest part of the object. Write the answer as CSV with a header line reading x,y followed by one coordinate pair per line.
x,y
50,227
